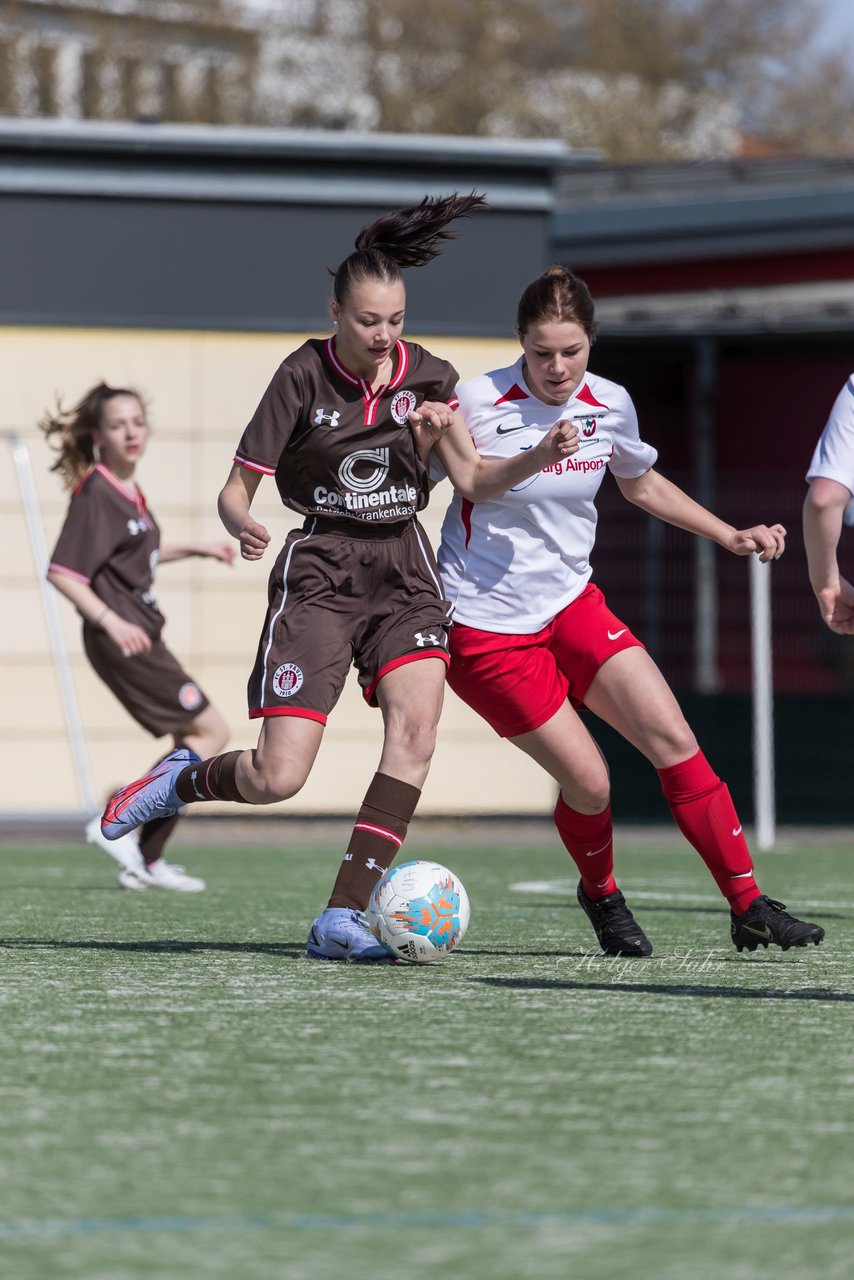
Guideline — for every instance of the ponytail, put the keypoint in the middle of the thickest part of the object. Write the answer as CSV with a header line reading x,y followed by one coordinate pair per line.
x,y
403,238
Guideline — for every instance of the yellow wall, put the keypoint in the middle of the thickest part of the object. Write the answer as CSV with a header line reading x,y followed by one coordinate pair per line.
x,y
201,389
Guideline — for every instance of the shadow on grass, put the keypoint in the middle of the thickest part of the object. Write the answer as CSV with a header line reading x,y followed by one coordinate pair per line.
x,y
664,989
644,909
173,946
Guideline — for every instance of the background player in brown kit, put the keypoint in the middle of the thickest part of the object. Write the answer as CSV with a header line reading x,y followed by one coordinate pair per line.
x,y
104,563
345,427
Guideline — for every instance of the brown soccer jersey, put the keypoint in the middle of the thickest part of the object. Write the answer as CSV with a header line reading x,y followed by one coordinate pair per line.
x,y
110,541
338,448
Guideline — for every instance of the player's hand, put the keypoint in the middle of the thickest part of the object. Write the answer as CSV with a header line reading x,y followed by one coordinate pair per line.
x,y
253,540
769,542
223,551
560,442
429,422
126,636
836,605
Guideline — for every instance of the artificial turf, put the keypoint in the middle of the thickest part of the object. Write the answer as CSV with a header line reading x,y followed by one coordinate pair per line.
x,y
184,1094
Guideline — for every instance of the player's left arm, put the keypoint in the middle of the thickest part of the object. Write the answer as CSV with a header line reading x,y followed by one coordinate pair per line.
x,y
477,478
172,551
665,500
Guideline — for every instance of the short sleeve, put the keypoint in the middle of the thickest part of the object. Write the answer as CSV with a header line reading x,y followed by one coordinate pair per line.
x,y
833,458
441,380
631,456
88,537
273,422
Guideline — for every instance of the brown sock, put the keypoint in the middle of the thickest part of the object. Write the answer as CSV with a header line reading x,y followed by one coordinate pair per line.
x,y
212,779
154,835
379,832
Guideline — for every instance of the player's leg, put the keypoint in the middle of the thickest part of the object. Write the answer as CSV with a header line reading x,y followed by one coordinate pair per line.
x,y
517,685
630,693
564,748
410,698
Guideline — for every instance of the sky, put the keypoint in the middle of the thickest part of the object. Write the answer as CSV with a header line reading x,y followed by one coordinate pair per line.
x,y
837,25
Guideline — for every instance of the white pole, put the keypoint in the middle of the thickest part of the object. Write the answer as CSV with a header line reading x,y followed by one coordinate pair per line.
x,y
77,741
763,703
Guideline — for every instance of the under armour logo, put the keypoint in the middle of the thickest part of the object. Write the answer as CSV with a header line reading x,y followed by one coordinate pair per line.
x,y
193,776
429,639
136,526
324,419
373,865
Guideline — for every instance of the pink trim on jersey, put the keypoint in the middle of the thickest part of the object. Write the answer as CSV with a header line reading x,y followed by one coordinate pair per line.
x,y
253,466
453,403
586,396
515,393
466,508
135,496
401,662
69,573
370,397
379,831
263,713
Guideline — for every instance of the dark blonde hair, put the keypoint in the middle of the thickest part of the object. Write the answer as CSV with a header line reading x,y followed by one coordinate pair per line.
x,y
557,295
71,432
403,238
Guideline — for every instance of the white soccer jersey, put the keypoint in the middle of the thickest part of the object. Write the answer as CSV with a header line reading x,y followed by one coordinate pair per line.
x,y
512,563
833,458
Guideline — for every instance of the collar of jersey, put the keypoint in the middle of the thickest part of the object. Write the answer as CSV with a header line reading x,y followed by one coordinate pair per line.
x,y
134,496
365,387
520,365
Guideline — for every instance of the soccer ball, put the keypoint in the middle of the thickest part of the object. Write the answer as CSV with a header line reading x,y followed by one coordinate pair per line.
x,y
419,911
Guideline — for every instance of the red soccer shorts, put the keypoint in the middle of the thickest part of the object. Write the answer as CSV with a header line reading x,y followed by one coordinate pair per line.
x,y
517,683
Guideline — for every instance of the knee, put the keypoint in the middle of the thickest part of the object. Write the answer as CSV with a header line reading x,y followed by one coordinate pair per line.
x,y
415,738
273,782
677,744
588,793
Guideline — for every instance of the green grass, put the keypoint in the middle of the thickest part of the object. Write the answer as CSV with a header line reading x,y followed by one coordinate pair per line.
x,y
183,1094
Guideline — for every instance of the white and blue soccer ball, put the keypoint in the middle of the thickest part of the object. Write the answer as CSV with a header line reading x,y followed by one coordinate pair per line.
x,y
419,911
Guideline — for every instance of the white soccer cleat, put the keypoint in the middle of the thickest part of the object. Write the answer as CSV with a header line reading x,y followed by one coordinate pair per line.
x,y
125,850
165,875
138,880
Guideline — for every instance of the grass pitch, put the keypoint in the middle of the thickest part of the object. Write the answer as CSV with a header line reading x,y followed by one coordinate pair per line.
x,y
183,1094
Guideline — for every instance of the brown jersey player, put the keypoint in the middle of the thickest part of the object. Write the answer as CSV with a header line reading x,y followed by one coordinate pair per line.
x,y
104,562
345,427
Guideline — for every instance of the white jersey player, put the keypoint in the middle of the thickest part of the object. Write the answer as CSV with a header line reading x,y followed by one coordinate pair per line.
x,y
533,638
828,506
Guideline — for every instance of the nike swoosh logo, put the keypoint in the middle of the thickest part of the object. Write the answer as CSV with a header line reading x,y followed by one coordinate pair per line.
x,y
615,635
736,831
505,431
764,932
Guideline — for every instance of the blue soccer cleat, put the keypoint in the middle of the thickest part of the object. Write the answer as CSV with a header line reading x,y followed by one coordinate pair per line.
x,y
153,796
339,933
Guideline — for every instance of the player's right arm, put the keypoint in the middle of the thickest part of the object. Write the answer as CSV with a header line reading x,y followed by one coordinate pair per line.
x,y
125,635
233,504
824,506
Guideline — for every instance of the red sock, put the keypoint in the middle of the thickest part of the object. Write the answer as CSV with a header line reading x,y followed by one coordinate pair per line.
x,y
589,840
703,811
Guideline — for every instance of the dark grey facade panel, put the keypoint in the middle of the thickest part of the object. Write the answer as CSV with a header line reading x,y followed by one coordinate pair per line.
x,y
187,226
249,266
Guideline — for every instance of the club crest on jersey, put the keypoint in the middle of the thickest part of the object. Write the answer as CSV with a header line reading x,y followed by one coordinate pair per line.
x,y
287,681
190,696
402,404
324,419
588,427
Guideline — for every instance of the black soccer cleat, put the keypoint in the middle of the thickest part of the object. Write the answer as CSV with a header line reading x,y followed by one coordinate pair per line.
x,y
618,932
767,920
